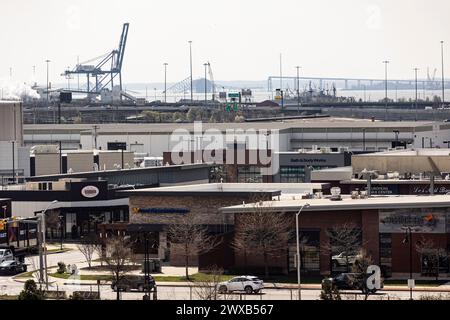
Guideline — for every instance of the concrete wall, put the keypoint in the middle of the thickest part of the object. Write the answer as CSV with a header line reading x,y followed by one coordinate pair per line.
x,y
46,163
107,160
80,162
402,164
11,128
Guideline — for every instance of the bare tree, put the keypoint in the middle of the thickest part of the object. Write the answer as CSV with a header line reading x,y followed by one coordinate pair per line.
x,y
118,254
52,222
345,239
207,287
362,262
191,237
262,232
431,255
88,247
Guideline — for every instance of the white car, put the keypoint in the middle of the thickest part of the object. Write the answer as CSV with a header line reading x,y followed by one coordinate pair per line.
x,y
6,255
341,259
249,284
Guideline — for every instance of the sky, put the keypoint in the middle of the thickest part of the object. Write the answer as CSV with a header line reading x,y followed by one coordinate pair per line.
x,y
242,39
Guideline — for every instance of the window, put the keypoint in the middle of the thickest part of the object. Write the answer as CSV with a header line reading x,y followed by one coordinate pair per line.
x,y
249,174
292,174
386,253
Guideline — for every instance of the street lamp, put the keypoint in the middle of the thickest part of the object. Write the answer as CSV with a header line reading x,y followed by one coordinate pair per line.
x,y
443,80
306,205
48,85
406,240
386,62
190,57
415,71
206,83
43,230
165,82
298,89
13,162
61,217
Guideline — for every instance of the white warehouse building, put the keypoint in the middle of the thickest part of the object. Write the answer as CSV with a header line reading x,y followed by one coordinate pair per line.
x,y
332,133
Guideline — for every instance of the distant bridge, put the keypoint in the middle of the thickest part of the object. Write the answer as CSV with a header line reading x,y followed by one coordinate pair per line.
x,y
359,83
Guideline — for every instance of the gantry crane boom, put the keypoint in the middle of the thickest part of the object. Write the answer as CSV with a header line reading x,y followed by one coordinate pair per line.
x,y
106,70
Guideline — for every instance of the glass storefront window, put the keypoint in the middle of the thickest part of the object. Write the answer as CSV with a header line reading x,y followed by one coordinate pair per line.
x,y
249,174
292,174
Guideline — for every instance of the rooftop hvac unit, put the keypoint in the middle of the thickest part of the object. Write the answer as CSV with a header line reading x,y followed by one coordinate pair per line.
x,y
335,194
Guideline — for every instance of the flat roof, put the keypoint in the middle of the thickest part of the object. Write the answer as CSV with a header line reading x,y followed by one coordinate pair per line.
x,y
408,152
270,125
396,181
347,203
275,189
101,172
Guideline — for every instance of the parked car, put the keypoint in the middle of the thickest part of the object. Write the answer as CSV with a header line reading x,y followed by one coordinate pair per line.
x,y
6,255
129,283
350,281
12,267
248,284
341,260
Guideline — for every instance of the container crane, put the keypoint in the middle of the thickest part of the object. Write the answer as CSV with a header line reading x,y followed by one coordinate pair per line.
x,y
213,84
104,78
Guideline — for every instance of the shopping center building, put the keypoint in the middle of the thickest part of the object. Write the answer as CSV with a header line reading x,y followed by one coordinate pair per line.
x,y
382,222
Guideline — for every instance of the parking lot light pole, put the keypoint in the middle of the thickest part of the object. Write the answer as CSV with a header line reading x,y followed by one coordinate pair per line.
x,y
43,230
408,239
61,217
306,205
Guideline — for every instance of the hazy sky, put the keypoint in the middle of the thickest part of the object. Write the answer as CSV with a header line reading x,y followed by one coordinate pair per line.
x,y
241,38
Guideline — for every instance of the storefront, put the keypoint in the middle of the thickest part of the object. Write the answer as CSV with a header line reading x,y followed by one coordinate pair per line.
x,y
74,208
380,225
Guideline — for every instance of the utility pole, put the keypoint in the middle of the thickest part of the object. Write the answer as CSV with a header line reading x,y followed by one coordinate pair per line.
x,y
48,85
386,86
415,72
298,89
165,82
190,57
443,79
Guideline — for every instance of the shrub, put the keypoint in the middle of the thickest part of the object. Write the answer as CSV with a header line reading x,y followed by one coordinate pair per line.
x,y
76,296
61,268
329,292
31,292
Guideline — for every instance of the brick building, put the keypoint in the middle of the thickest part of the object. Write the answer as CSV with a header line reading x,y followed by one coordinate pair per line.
x,y
381,221
152,210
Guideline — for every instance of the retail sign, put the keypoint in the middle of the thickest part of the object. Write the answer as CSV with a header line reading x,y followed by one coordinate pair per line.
x,y
90,192
160,210
383,190
425,189
421,221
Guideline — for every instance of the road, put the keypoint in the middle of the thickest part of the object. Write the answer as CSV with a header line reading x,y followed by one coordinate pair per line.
x,y
167,291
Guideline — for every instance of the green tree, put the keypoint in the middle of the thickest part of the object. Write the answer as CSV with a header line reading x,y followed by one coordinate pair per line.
x,y
31,292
